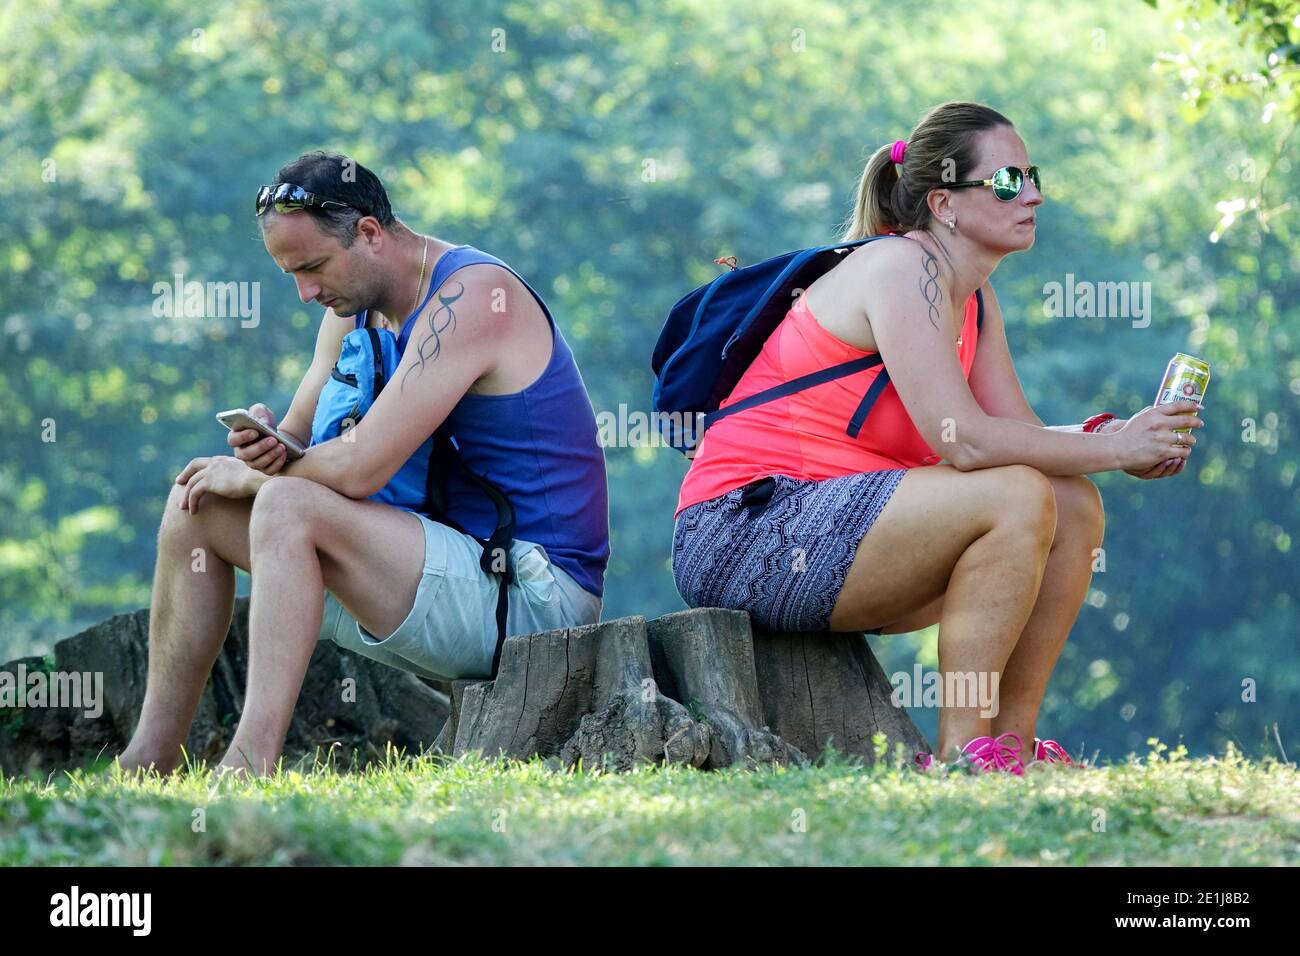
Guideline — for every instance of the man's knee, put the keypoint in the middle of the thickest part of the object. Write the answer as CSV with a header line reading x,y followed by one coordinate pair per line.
x,y
178,523
175,498
282,505
220,529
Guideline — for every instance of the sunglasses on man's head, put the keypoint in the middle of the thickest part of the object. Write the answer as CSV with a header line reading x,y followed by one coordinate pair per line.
x,y
286,197
1006,182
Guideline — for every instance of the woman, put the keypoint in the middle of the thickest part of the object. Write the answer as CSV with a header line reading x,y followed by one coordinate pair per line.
x,y
785,515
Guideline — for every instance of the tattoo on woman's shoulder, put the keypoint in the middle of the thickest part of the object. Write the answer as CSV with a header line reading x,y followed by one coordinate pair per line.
x,y
442,319
929,286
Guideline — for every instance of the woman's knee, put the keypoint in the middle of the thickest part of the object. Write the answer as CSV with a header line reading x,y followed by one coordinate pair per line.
x,y
1024,497
1079,507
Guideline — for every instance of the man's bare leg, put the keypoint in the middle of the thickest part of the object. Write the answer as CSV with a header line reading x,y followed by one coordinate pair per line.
x,y
304,538
190,612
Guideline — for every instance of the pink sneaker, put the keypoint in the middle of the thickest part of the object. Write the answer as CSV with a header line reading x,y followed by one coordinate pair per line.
x,y
985,754
1050,752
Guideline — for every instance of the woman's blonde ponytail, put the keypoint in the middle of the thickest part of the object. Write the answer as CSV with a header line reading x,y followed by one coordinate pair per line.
x,y
892,196
873,211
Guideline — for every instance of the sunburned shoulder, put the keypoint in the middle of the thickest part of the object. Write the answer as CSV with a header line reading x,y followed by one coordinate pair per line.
x,y
483,296
487,303
483,285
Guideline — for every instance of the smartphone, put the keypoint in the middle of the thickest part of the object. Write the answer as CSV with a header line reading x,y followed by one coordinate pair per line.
x,y
237,419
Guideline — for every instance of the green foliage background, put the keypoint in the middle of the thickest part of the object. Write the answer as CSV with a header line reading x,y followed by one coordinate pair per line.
x,y
134,137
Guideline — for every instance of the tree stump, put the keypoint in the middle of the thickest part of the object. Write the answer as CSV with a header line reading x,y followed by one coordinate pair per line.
x,y
580,693
828,688
705,658
697,688
694,687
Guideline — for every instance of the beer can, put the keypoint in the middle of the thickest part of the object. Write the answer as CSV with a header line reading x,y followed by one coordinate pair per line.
x,y
1186,379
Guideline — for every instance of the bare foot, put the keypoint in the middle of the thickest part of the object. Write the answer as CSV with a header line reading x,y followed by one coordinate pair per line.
x,y
248,758
244,764
225,771
136,764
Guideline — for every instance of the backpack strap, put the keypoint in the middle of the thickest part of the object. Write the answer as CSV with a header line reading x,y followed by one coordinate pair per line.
x,y
868,400
795,385
377,350
443,453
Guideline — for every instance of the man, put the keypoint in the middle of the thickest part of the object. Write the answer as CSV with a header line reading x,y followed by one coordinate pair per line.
x,y
484,358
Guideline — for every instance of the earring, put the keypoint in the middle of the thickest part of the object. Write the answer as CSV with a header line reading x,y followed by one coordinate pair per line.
x,y
952,225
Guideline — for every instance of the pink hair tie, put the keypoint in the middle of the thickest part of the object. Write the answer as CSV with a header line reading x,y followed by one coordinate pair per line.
x,y
898,150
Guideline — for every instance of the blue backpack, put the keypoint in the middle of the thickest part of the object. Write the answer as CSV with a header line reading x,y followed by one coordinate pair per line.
x,y
715,331
367,360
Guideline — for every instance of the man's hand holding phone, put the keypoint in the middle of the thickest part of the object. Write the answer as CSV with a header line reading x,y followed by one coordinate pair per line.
x,y
260,452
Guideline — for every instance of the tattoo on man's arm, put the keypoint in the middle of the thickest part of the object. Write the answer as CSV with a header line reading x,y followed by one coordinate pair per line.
x,y
930,286
438,323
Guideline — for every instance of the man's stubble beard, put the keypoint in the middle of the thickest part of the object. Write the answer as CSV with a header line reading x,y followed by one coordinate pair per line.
x,y
368,301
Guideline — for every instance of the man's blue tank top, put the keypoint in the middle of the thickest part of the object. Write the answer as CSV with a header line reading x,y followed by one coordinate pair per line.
x,y
540,446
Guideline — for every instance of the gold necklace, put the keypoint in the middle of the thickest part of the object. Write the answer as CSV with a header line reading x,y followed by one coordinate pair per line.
x,y
423,259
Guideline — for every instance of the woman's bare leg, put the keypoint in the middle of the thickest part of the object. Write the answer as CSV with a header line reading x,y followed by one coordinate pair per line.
x,y
190,611
1080,524
978,539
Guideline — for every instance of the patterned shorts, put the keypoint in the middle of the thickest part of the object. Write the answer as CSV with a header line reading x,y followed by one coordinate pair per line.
x,y
778,547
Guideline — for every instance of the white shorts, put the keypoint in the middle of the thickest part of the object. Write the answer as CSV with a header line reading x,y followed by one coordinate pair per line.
x,y
451,631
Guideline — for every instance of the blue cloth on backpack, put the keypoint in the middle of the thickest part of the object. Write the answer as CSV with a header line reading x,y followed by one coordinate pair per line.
x,y
367,360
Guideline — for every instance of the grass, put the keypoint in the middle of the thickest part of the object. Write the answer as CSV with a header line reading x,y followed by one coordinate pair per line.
x,y
1164,809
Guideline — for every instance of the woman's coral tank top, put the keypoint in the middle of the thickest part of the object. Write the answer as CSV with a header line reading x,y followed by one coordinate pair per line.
x,y
803,435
